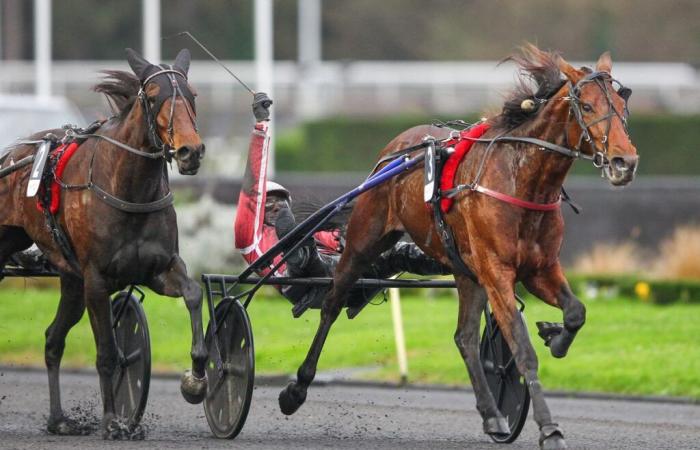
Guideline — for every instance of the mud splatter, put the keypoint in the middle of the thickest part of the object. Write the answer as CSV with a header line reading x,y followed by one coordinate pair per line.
x,y
120,429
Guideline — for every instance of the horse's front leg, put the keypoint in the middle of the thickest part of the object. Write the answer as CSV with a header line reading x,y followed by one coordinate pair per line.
x,y
472,301
551,286
174,282
498,280
100,312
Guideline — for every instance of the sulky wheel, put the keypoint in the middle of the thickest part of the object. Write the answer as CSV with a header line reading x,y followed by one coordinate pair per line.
x,y
505,382
132,378
230,387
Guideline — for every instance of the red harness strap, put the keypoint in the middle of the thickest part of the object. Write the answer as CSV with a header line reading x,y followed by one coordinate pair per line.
x,y
449,170
63,153
518,202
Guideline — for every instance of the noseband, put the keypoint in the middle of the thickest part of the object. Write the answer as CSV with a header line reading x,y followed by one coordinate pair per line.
x,y
151,113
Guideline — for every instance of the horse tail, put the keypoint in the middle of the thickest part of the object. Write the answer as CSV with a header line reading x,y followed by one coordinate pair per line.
x,y
305,207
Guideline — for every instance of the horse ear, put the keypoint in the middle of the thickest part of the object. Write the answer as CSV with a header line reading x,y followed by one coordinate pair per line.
x,y
137,63
568,70
604,63
182,61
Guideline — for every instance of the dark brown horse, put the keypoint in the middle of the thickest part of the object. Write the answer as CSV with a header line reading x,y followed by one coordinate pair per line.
x,y
499,242
118,219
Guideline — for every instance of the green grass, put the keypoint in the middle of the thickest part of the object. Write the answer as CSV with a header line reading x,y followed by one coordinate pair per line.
x,y
625,347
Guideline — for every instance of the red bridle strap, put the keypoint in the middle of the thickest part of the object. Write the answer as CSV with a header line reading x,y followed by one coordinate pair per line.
x,y
516,201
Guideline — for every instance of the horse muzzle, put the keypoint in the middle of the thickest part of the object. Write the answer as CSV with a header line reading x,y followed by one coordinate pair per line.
x,y
188,158
621,169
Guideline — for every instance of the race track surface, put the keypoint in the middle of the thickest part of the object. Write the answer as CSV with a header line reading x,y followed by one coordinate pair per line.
x,y
340,417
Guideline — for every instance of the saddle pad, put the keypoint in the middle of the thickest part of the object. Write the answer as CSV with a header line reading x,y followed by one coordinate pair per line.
x,y
63,153
449,169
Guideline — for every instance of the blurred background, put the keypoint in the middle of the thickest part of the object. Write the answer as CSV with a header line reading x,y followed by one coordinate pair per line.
x,y
348,76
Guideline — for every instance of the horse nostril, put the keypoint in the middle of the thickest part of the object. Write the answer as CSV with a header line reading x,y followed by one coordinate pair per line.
x,y
183,153
201,150
624,163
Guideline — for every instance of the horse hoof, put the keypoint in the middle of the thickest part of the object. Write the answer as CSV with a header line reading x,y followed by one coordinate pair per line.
x,y
118,429
193,389
291,398
497,426
64,426
552,438
548,331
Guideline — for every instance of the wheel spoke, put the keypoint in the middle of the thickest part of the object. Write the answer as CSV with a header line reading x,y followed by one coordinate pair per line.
x,y
120,379
215,389
133,357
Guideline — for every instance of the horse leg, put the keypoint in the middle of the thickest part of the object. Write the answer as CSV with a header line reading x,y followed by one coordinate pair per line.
x,y
552,287
70,309
353,262
174,282
498,279
100,313
472,300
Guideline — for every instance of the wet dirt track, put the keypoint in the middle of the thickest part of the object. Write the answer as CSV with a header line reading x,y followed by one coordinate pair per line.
x,y
339,417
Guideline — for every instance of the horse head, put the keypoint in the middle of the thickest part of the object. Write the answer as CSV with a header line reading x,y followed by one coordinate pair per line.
x,y
598,104
168,105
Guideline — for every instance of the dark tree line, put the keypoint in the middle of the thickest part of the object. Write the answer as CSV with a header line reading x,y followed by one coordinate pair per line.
x,y
635,30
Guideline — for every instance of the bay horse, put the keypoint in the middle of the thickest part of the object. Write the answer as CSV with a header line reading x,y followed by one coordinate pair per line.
x,y
123,232
499,242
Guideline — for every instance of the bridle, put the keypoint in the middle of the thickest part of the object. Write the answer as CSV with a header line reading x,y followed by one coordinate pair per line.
x,y
576,109
165,150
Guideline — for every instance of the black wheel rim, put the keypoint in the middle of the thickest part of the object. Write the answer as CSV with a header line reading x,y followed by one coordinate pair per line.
x,y
132,378
505,382
229,393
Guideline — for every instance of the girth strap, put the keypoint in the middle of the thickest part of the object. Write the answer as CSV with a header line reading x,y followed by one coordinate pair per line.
x,y
130,207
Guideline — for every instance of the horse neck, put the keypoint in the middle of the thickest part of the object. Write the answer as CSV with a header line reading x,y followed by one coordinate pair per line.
x,y
132,177
539,175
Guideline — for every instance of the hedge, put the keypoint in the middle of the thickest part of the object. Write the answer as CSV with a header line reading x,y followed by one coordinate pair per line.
x,y
633,287
667,145
636,287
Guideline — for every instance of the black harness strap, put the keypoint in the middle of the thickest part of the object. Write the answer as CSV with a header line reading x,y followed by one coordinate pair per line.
x,y
61,239
130,207
444,231
57,233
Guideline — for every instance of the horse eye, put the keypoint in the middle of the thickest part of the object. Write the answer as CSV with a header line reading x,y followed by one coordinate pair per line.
x,y
586,108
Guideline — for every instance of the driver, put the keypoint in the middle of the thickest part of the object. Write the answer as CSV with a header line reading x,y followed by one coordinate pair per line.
x,y
264,215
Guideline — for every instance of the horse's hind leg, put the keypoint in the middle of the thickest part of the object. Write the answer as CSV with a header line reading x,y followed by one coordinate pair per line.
x,y
551,286
363,247
472,300
174,282
498,280
70,309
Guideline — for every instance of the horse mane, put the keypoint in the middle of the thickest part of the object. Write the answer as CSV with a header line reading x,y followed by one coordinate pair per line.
x,y
121,89
535,67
